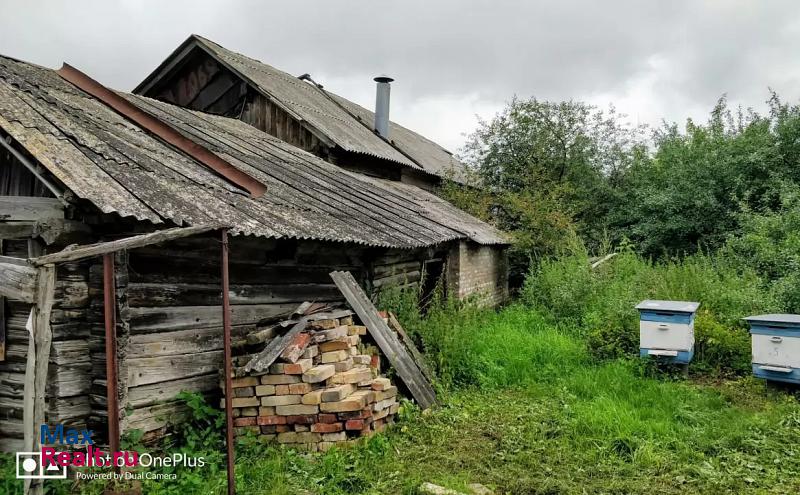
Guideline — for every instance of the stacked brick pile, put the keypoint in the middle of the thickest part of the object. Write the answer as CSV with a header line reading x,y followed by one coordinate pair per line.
x,y
323,390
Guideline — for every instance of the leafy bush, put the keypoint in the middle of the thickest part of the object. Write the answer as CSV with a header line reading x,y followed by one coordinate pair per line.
x,y
601,301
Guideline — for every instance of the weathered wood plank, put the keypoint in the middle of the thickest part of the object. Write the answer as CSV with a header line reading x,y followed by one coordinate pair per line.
x,y
410,346
18,282
43,338
143,371
147,395
118,245
157,416
175,343
146,320
271,352
142,294
29,209
407,369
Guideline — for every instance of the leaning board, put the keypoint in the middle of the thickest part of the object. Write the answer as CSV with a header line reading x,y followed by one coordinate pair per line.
x,y
407,369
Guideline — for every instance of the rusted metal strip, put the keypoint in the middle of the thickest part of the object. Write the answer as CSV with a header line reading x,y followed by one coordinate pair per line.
x,y
162,130
226,329
109,309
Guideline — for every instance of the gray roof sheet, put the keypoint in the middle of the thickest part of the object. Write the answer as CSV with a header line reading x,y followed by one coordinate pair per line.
x,y
323,111
109,161
775,318
670,306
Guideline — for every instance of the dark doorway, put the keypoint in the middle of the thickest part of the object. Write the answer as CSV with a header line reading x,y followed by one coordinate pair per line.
x,y
432,282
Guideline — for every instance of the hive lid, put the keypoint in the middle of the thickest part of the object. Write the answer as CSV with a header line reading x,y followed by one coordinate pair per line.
x,y
673,306
774,318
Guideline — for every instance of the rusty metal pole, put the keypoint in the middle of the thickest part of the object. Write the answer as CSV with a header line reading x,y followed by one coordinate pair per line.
x,y
226,326
109,308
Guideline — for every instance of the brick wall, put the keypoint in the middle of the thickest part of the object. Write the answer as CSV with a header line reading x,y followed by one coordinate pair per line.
x,y
480,272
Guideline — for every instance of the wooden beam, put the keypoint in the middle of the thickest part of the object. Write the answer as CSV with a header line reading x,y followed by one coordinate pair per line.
x,y
409,343
17,230
29,209
17,281
137,241
407,369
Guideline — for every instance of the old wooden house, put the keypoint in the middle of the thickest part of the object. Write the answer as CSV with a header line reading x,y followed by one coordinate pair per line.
x,y
81,164
202,75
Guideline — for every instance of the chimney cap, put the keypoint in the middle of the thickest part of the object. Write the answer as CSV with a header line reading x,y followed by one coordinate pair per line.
x,y
383,78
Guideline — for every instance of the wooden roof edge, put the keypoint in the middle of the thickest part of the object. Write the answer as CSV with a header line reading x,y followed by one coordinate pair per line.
x,y
137,241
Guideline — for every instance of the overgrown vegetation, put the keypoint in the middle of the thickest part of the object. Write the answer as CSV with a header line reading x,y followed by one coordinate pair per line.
x,y
548,395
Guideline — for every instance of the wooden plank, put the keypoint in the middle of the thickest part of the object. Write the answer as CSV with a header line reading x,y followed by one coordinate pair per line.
x,y
29,209
16,230
406,368
175,343
143,371
148,395
43,339
147,320
410,346
146,294
101,248
271,352
2,328
17,282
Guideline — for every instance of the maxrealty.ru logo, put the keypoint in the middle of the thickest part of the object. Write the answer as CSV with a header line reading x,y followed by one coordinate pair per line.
x,y
51,463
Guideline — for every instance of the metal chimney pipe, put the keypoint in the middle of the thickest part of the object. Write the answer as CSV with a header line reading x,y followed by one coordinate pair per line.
x,y
382,105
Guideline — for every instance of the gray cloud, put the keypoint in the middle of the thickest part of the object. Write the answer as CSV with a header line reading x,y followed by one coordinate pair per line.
x,y
450,58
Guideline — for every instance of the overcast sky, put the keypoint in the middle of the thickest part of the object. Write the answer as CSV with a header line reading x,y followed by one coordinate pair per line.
x,y
451,59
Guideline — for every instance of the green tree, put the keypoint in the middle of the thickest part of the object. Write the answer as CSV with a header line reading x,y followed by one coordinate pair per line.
x,y
548,171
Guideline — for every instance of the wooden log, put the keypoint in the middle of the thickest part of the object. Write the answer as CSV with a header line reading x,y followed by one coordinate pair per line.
x,y
148,320
399,279
175,343
17,230
146,294
147,395
155,417
66,409
101,248
29,209
71,294
17,281
142,371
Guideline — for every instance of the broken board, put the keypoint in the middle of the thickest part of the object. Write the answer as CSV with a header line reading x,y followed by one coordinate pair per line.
x,y
407,369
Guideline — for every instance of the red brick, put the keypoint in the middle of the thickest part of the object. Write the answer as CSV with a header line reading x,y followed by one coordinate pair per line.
x,y
250,421
326,427
282,390
282,428
271,420
296,347
362,414
327,418
301,419
354,424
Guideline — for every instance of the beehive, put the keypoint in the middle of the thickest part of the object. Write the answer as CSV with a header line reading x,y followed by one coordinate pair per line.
x,y
666,330
775,342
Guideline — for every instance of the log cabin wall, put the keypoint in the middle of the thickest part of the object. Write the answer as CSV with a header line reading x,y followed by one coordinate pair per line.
x,y
404,269
170,323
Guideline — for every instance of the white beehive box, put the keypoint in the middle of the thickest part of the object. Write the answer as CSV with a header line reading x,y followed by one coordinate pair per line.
x,y
776,346
666,330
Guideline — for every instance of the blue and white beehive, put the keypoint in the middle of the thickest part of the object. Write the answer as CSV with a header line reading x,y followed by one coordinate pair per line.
x,y
666,330
776,347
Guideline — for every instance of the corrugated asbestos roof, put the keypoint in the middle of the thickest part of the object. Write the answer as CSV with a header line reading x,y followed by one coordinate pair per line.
x,y
105,159
314,106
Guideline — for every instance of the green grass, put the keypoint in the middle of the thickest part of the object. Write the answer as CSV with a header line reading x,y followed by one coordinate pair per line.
x,y
529,411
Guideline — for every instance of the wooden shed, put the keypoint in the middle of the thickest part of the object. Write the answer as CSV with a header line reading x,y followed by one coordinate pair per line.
x,y
81,166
